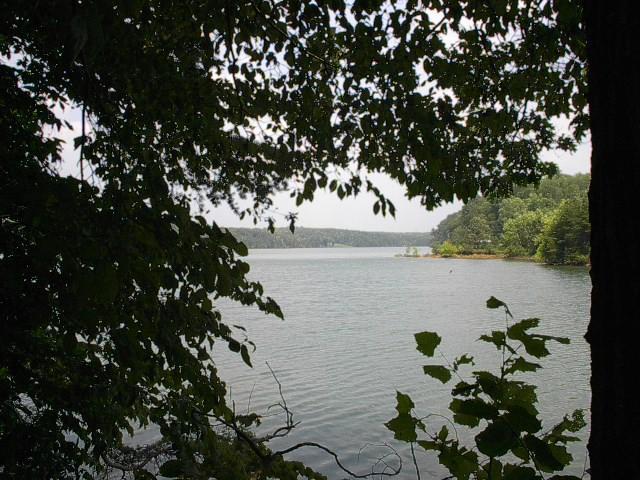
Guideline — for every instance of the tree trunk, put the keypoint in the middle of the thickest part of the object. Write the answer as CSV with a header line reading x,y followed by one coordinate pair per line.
x,y
613,53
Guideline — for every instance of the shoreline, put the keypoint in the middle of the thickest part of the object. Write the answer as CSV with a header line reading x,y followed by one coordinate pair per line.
x,y
495,256
479,256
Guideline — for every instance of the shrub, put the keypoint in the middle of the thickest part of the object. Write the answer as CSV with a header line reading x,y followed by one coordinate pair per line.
x,y
448,249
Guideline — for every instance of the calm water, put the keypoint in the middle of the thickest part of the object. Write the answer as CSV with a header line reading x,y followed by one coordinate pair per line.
x,y
347,342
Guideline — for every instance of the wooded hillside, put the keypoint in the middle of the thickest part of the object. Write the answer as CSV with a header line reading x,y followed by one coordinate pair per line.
x,y
327,237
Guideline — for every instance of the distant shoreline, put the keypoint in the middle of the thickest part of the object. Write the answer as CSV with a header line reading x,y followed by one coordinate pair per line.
x,y
494,256
340,247
479,256
326,238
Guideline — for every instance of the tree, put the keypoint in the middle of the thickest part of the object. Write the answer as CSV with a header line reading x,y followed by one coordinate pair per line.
x,y
565,235
613,78
475,235
510,208
113,277
521,234
513,225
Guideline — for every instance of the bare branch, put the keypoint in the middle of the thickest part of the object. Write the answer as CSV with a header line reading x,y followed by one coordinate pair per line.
x,y
383,473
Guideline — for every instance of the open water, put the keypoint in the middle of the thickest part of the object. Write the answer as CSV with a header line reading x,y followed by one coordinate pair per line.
x,y
347,344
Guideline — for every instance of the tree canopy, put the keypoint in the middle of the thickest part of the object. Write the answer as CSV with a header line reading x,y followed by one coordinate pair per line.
x,y
111,277
550,222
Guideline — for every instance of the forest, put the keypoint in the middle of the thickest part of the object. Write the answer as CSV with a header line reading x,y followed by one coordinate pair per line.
x,y
549,223
326,237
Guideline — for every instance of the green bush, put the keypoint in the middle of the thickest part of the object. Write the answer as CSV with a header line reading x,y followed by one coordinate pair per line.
x,y
447,249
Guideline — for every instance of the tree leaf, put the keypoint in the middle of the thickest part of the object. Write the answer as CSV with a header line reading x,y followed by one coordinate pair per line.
x,y
497,439
404,404
244,353
403,427
545,457
493,302
171,469
427,342
438,372
521,420
475,407
461,464
518,472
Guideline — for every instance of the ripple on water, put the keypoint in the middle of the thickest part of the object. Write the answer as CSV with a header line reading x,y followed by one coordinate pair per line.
x,y
347,342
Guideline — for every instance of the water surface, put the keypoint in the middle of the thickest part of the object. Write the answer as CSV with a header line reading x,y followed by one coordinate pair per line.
x,y
347,345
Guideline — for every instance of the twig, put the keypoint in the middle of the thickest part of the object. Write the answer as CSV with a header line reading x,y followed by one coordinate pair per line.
x,y
396,471
415,461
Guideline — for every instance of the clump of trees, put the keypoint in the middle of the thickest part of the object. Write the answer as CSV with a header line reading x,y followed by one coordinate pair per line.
x,y
549,222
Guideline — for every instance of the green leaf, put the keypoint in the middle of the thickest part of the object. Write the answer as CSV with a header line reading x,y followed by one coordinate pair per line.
x,y
474,407
427,342
403,427
512,472
535,345
544,455
443,434
143,475
490,384
497,439
462,360
171,469
521,365
404,404
242,249
493,302
439,372
521,420
234,345
244,353
461,464
497,338
463,389
467,420
519,329
428,445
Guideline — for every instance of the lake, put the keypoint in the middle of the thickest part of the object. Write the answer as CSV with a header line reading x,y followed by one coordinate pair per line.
x,y
347,344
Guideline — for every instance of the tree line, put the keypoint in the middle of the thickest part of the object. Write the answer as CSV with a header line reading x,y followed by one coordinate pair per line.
x,y
549,223
326,237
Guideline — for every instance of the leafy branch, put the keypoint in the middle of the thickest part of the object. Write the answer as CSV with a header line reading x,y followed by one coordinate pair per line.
x,y
511,444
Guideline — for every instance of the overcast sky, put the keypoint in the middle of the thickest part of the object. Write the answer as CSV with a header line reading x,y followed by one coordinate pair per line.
x,y
328,211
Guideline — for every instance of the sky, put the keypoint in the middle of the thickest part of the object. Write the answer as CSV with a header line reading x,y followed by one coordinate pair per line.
x,y
328,211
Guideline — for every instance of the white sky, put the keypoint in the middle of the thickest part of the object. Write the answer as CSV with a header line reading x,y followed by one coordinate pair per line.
x,y
328,211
